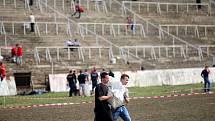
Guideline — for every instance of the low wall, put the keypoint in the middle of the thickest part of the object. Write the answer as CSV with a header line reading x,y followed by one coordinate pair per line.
x,y
8,87
58,82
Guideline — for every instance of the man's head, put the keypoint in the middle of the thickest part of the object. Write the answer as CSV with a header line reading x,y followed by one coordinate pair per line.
x,y
104,77
124,79
94,69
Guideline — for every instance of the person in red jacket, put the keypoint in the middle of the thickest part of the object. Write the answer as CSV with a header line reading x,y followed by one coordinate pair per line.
x,y
19,54
2,71
79,10
13,54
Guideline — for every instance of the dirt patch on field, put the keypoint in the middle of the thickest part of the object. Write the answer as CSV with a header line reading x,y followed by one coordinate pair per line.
x,y
187,108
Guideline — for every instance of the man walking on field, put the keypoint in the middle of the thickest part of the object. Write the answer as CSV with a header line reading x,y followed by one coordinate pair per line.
x,y
205,75
120,97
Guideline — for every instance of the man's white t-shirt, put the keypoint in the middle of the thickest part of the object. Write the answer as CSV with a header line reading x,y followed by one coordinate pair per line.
x,y
32,19
119,92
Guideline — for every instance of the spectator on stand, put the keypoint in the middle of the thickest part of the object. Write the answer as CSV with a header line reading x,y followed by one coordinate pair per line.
x,y
111,73
79,10
94,78
13,54
77,43
71,78
32,22
71,43
2,70
130,24
199,2
30,2
81,80
19,54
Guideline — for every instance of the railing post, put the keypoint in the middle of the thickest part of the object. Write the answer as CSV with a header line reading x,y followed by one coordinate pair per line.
x,y
4,3
97,41
69,56
90,53
24,29
158,8
167,52
14,3
37,29
100,53
209,7
13,29
46,29
54,4
200,54
143,31
136,52
63,5
196,31
205,31
36,56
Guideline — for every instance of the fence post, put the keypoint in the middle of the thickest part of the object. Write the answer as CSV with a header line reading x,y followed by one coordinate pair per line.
x,y
4,103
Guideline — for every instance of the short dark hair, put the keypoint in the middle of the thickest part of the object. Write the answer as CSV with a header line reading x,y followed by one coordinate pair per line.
x,y
103,74
123,76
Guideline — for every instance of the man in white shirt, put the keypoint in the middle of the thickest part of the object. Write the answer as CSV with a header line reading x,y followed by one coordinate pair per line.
x,y
32,22
120,97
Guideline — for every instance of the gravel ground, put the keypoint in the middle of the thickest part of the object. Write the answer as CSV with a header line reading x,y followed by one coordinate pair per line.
x,y
187,108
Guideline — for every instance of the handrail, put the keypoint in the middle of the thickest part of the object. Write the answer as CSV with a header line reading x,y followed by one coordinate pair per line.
x,y
119,27
41,27
160,30
207,47
195,26
100,37
81,51
142,49
98,6
158,5
190,25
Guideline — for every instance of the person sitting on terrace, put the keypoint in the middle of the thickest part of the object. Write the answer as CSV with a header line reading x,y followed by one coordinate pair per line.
x,y
71,43
76,43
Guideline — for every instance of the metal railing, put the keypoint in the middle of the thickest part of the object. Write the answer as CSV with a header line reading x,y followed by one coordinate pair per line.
x,y
96,5
136,5
156,51
41,28
15,3
111,29
163,34
210,49
53,53
97,37
5,50
185,28
3,33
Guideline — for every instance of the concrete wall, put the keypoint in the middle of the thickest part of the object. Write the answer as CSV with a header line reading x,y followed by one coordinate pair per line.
x,y
144,78
8,87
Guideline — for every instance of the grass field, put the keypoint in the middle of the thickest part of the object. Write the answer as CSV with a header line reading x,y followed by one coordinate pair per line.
x,y
50,98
